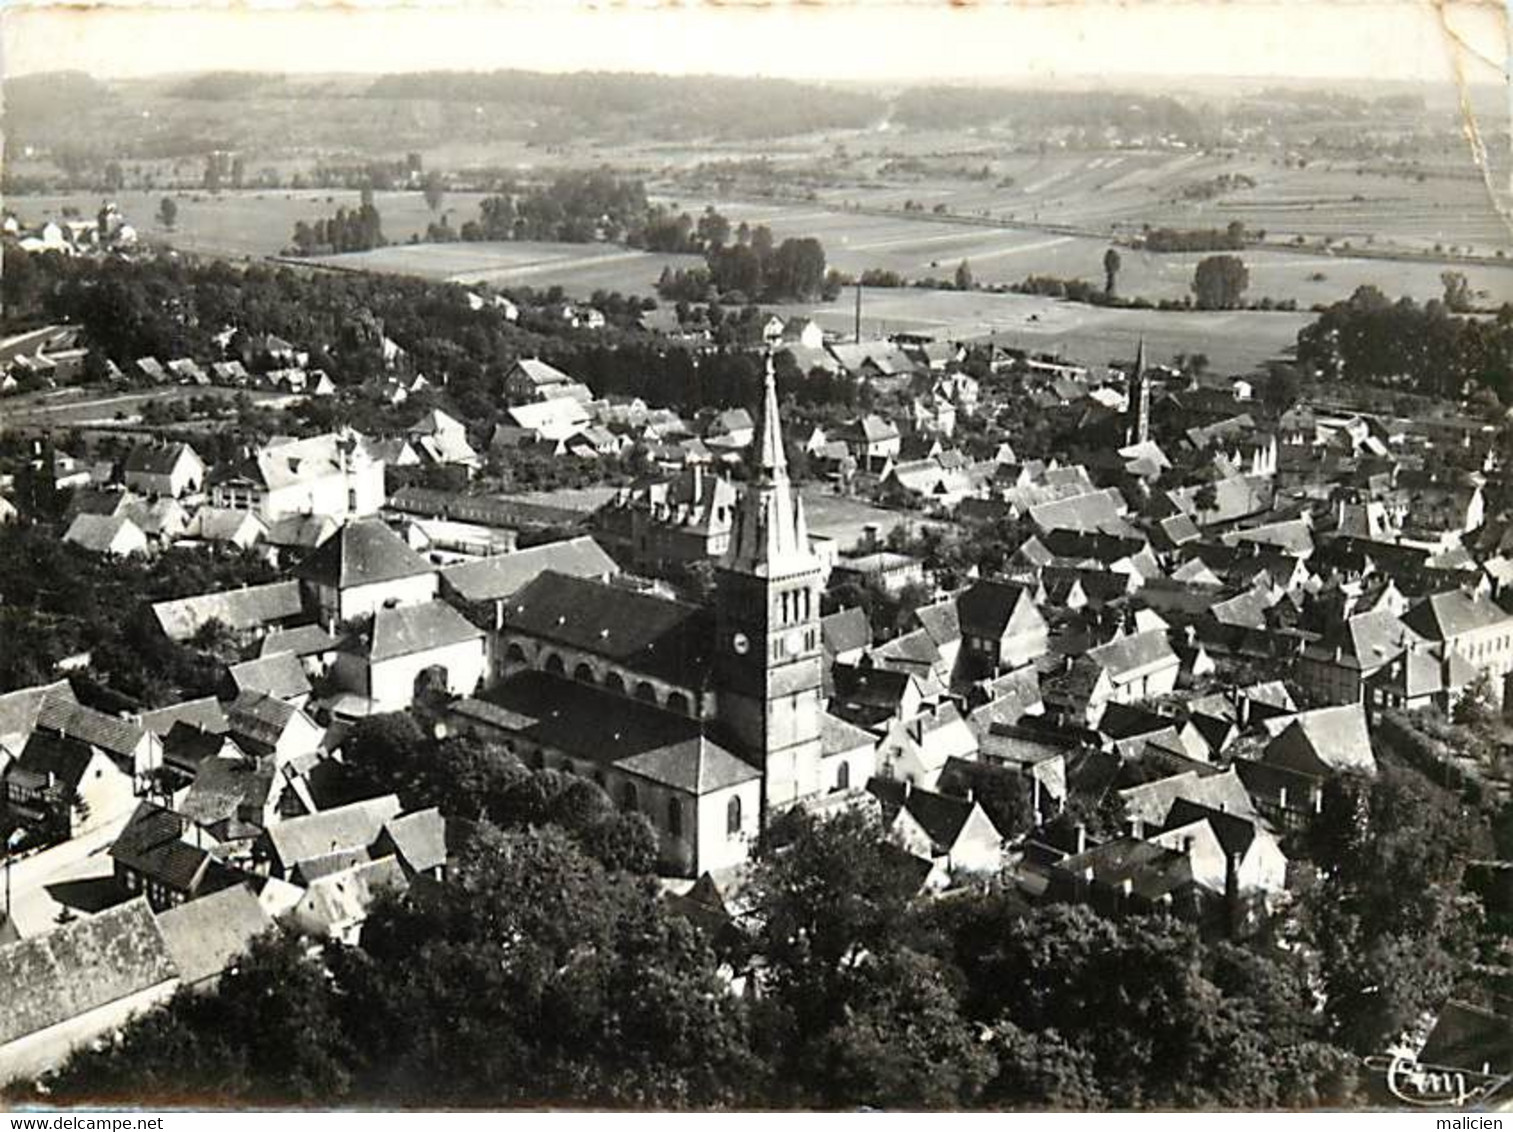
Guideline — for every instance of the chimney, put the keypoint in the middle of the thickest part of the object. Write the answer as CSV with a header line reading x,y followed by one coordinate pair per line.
x,y
869,536
1136,828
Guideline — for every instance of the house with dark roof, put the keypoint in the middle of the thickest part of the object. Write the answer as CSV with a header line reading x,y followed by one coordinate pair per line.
x,y
703,801
1000,625
266,725
361,568
1126,670
155,855
917,749
62,786
168,469
1240,856
631,642
132,747
954,834
406,649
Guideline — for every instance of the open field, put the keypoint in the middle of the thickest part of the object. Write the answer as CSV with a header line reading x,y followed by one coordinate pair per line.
x,y
580,269
844,519
1084,197
248,224
918,247
1235,341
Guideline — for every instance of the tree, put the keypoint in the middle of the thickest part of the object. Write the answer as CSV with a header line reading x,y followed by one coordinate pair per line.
x,y
1220,281
964,281
901,1042
1458,295
168,212
1111,265
434,190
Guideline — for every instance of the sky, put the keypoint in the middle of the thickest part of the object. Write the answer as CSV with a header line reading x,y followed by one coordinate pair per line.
x,y
881,40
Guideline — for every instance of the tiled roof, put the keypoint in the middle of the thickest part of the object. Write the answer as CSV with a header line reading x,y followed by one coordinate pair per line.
x,y
654,635
697,766
280,675
156,459
408,629
1336,736
204,936
259,718
20,710
48,756
152,844
344,897
1153,801
97,532
419,838
81,966
362,553
845,630
1134,652
1444,616
305,640
66,717
239,610
352,826
224,786
588,723
991,608
503,575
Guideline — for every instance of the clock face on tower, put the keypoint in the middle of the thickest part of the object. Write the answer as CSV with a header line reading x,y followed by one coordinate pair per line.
x,y
795,643
741,643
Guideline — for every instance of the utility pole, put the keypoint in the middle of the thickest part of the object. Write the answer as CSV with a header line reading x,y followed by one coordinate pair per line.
x,y
858,310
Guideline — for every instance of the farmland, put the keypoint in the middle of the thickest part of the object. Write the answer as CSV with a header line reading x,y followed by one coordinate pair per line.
x,y
580,268
1235,341
1009,214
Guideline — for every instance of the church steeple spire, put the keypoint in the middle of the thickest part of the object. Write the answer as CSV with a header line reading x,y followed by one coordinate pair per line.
x,y
769,537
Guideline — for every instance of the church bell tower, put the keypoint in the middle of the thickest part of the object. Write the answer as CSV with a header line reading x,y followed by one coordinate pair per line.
x,y
768,664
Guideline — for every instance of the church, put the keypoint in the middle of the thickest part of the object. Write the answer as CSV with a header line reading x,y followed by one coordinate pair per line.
x,y
706,720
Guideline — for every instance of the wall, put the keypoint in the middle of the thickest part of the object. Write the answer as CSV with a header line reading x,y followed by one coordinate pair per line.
x,y
393,681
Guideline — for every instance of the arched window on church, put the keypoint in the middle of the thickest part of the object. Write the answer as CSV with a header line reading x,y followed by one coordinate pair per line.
x,y
628,797
733,817
555,666
678,702
843,776
615,683
644,691
583,674
515,654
